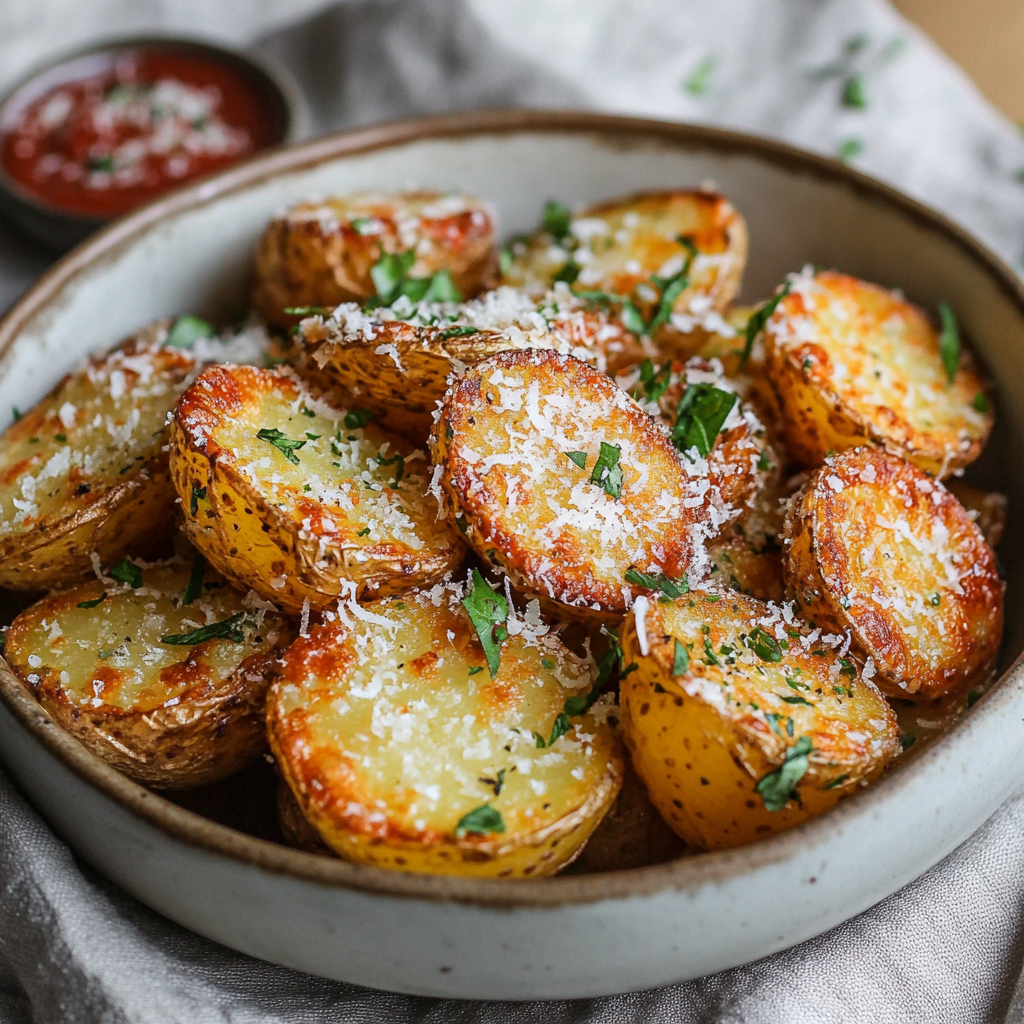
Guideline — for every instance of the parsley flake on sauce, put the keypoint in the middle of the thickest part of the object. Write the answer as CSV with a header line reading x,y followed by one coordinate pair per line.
x,y
488,611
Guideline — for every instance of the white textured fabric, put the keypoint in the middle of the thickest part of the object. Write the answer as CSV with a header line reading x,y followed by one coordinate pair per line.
x,y
947,949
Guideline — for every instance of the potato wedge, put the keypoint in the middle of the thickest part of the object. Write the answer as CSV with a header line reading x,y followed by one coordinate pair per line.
x,y
396,361
736,736
166,680
300,501
854,364
630,248
405,752
986,508
879,548
325,253
84,471
561,480
706,419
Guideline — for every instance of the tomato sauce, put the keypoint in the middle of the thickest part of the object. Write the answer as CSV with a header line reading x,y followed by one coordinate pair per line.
x,y
112,139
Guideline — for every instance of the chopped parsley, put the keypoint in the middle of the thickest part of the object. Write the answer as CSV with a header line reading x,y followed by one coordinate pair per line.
x,y
457,332
796,699
607,472
849,669
364,532
195,580
657,581
777,786
701,412
697,82
284,444
395,460
488,611
979,403
949,341
390,276
227,629
62,438
476,668
763,464
198,495
655,381
764,645
557,220
356,418
680,659
907,740
126,571
854,96
360,224
577,458
709,651
837,781
755,325
480,821
187,330
849,148
305,310
93,603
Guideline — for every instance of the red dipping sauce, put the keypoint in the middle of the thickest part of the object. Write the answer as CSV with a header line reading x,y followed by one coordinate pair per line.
x,y
131,125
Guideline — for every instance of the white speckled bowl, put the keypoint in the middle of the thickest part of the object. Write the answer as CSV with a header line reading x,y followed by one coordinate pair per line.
x,y
572,936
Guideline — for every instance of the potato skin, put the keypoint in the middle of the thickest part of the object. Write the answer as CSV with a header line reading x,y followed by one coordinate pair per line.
x,y
500,444
879,548
259,525
396,361
986,508
703,740
321,254
187,716
69,488
622,243
393,792
853,364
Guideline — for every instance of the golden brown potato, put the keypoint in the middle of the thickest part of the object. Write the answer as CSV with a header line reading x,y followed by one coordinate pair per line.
x,y
878,548
84,471
396,360
415,739
164,676
706,419
739,565
855,364
295,828
326,253
561,480
743,724
986,508
300,501
627,255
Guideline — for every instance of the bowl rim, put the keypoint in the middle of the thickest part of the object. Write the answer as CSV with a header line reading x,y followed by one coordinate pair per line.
x,y
275,75
687,873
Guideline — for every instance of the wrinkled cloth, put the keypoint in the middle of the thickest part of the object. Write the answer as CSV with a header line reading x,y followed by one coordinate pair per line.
x,y
945,950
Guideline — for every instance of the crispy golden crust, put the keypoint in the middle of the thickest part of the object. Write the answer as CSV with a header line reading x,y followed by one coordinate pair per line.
x,y
321,254
879,548
396,361
169,716
738,565
986,508
392,735
620,245
84,470
854,364
350,512
297,831
705,727
501,443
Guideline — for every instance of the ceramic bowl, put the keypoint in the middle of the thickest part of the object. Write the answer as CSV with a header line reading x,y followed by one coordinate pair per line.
x,y
571,936
59,228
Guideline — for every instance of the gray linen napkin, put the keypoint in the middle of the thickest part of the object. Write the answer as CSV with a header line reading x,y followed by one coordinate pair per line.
x,y
947,948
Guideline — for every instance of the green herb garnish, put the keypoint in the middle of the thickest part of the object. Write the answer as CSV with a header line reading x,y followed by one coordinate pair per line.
x,y
699,417
579,458
557,219
655,381
777,786
480,821
284,444
187,330
195,580
607,472
764,645
979,403
198,495
680,659
126,571
837,781
227,629
356,418
457,332
854,96
949,341
305,310
488,611
697,82
755,325
657,581
93,603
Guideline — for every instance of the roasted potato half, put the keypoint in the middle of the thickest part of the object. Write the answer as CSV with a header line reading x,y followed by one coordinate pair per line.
x,y
631,249
878,548
85,470
298,500
707,422
743,724
410,744
855,364
396,361
326,253
986,508
557,477
164,676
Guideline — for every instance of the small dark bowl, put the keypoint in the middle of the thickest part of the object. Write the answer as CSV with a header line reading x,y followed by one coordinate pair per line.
x,y
60,228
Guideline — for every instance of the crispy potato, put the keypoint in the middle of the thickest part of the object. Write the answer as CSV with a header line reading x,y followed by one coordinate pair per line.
x,y
84,471
737,564
880,549
405,752
295,828
736,736
502,445
169,714
323,253
396,360
316,505
738,459
620,247
986,508
855,364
